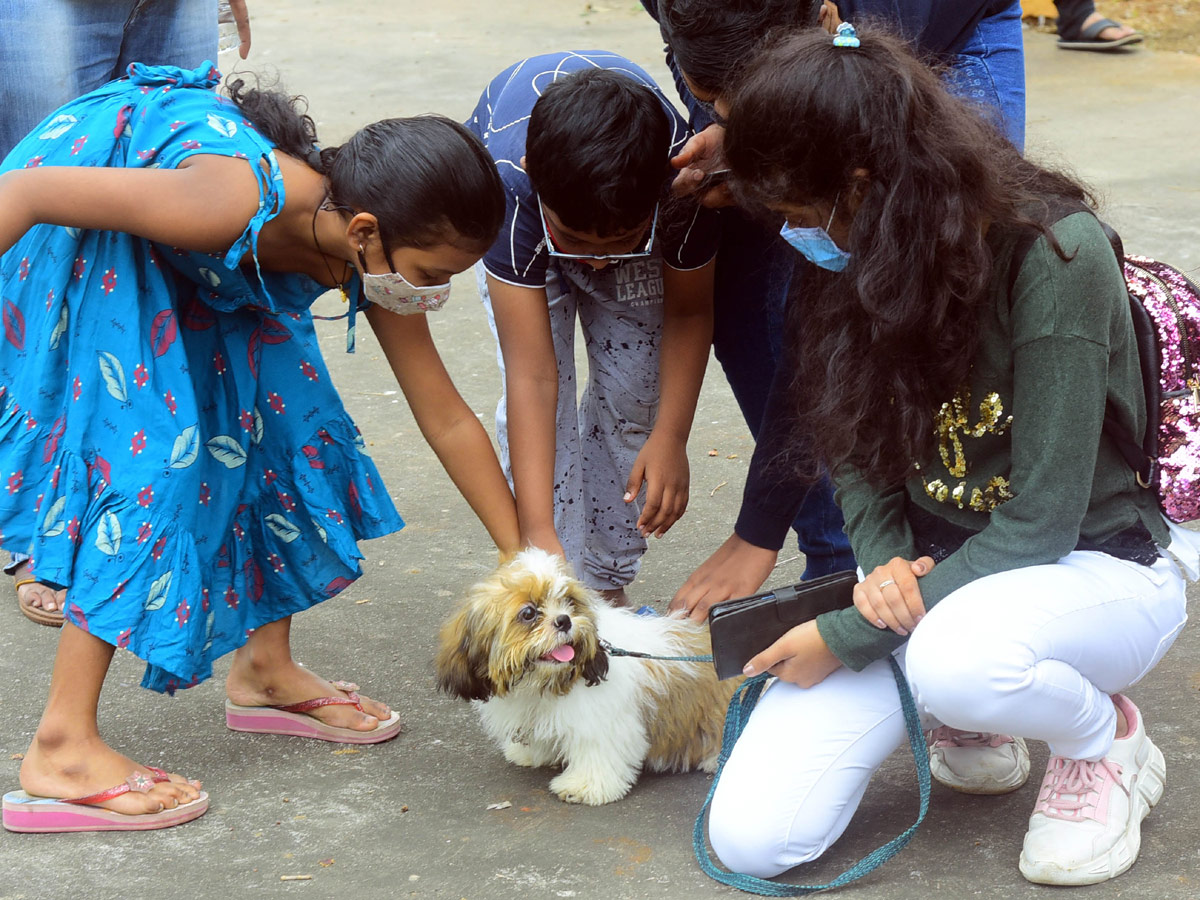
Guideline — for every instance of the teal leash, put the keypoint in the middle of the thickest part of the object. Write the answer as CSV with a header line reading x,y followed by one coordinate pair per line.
x,y
635,654
740,707
744,699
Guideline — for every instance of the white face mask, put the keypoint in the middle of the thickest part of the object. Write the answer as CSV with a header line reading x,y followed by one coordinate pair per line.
x,y
393,292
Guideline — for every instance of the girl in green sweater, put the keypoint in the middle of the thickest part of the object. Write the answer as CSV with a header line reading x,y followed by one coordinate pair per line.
x,y
1011,562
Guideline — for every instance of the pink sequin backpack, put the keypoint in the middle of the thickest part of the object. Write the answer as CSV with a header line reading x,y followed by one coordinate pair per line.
x,y
1165,305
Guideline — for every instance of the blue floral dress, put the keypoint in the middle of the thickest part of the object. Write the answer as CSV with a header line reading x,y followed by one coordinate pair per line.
x,y
172,450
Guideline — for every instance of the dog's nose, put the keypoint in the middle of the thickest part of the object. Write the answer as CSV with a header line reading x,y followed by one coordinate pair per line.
x,y
563,622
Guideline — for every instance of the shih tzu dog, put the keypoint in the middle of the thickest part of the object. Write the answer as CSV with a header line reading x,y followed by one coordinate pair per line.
x,y
528,645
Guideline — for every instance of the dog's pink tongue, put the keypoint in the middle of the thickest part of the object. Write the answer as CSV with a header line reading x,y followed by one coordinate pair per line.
x,y
563,653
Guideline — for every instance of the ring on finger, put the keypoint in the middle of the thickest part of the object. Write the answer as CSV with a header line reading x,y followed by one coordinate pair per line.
x,y
884,584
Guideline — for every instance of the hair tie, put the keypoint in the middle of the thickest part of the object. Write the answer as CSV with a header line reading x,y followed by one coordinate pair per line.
x,y
846,36
313,158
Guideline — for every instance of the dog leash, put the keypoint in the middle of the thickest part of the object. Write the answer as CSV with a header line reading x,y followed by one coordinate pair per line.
x,y
740,706
617,651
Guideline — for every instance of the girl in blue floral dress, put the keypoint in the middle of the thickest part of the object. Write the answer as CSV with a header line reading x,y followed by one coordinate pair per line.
x,y
171,449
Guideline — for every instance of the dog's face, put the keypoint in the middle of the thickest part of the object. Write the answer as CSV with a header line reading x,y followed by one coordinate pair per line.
x,y
531,622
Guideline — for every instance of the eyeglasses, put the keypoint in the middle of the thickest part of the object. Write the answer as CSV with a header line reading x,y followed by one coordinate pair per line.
x,y
552,247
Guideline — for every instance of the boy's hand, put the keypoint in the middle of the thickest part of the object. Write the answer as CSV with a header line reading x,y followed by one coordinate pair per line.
x,y
702,154
737,569
663,466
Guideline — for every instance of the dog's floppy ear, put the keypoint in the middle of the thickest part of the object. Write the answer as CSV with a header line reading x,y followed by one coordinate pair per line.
x,y
595,670
461,663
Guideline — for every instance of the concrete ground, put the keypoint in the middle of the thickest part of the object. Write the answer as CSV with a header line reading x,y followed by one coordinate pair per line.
x,y
410,818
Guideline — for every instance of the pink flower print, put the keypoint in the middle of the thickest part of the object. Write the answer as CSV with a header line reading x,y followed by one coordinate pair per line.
x,y
334,515
49,299
23,268
246,420
219,363
286,501
145,155
276,562
309,370
35,162
269,476
76,388
73,528
120,589
141,375
15,481
123,638
144,532
146,495
175,125
79,267
325,436
238,531
138,444
30,422
109,281
78,145
205,493
170,398
275,402
189,145
183,612
205,603
159,546
231,598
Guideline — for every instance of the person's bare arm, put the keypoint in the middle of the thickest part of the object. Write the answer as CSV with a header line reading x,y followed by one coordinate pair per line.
x,y
448,424
531,388
204,204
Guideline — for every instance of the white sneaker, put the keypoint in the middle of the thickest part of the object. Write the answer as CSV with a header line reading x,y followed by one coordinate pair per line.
x,y
1087,824
977,762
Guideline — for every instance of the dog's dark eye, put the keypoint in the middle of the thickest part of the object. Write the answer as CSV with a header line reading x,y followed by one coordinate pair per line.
x,y
527,614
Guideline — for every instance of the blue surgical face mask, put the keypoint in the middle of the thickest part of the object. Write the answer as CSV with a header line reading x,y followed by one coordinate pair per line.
x,y
816,245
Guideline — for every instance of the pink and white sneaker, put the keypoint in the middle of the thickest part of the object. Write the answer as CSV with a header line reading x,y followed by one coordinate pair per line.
x,y
1087,824
978,762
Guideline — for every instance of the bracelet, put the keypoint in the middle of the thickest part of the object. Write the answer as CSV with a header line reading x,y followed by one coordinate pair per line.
x,y
24,581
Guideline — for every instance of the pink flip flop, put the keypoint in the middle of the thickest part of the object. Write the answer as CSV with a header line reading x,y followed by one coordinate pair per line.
x,y
294,720
26,813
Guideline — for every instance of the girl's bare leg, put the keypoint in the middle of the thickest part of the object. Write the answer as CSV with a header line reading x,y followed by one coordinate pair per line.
x,y
68,758
264,674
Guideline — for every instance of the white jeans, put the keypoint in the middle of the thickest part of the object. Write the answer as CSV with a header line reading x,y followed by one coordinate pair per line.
x,y
1033,652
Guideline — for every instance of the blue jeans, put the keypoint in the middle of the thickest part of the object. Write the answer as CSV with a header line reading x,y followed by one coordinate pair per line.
x,y
755,268
55,50
989,71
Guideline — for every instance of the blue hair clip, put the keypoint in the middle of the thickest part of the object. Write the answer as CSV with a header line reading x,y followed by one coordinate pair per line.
x,y
846,36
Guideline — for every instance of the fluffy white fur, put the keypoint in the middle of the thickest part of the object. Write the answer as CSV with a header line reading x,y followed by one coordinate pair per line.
x,y
601,719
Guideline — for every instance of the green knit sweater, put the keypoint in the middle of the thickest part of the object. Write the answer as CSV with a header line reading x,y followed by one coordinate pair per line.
x,y
1022,463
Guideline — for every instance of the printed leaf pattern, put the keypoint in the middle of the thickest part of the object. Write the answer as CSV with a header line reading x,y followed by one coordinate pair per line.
x,y
186,448
53,524
158,592
227,450
162,332
60,329
114,377
14,325
108,534
283,529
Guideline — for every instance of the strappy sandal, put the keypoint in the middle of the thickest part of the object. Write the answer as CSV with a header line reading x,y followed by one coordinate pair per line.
x,y
53,619
294,720
1089,38
28,813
